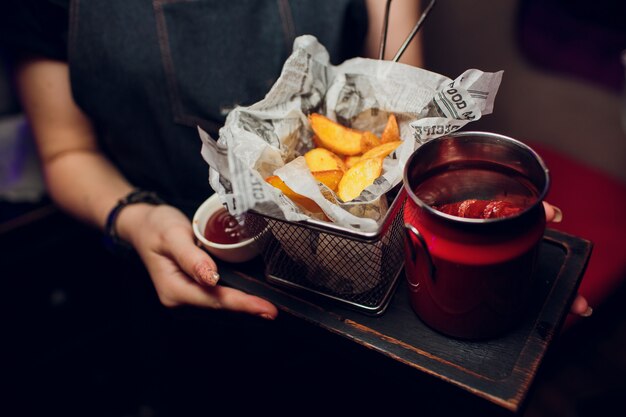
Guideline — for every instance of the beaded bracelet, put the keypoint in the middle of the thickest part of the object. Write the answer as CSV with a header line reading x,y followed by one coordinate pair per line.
x,y
111,238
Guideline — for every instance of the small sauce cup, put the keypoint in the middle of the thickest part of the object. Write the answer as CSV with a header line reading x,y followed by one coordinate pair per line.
x,y
242,251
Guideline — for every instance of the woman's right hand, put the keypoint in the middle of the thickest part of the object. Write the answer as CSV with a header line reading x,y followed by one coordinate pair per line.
x,y
182,273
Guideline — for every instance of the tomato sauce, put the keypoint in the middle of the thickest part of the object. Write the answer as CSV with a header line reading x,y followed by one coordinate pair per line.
x,y
224,228
480,209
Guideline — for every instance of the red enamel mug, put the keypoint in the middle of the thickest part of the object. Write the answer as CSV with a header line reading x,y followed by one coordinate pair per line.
x,y
471,278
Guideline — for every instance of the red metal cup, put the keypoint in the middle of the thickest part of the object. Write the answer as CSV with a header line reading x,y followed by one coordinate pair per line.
x,y
471,278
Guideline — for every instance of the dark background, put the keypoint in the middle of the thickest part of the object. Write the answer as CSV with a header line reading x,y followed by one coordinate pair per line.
x,y
82,333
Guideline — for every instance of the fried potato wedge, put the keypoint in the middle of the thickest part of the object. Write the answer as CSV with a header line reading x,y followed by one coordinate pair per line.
x,y
369,141
329,178
382,150
336,137
349,161
358,178
299,199
391,133
321,159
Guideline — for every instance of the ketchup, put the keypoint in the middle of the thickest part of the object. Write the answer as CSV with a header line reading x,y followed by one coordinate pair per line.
x,y
480,209
224,228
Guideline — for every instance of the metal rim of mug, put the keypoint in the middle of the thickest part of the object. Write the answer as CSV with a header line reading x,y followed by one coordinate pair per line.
x,y
515,142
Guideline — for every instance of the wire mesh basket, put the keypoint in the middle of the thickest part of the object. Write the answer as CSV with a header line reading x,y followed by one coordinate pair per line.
x,y
358,270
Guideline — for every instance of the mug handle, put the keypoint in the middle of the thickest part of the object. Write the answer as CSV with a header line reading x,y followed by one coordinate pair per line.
x,y
410,229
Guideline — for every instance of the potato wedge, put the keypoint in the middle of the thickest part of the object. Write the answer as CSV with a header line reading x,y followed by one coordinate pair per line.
x,y
382,150
369,141
335,137
321,159
359,177
349,161
329,178
299,199
391,133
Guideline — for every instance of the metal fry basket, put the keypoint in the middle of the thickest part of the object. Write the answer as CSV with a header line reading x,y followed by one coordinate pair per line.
x,y
358,270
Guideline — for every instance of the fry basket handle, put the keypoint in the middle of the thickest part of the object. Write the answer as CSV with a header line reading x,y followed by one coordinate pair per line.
x,y
416,28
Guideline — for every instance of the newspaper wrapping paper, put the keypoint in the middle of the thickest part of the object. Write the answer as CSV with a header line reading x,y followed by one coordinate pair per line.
x,y
269,137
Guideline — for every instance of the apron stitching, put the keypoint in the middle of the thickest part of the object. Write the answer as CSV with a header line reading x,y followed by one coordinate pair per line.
x,y
179,114
73,28
165,56
286,18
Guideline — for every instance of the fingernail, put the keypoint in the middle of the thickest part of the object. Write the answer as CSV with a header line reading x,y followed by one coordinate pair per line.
x,y
558,215
212,278
207,274
587,312
266,316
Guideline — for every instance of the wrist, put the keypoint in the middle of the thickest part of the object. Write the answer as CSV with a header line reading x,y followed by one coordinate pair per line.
x,y
129,219
116,231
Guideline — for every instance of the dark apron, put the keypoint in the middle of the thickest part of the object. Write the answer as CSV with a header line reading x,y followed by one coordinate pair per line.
x,y
149,72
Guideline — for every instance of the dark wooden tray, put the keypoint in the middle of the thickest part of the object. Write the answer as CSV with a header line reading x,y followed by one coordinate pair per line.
x,y
500,370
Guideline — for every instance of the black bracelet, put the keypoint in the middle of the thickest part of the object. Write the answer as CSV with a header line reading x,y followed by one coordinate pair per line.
x,y
111,238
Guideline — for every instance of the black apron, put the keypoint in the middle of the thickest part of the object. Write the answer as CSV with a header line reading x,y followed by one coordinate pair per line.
x,y
149,72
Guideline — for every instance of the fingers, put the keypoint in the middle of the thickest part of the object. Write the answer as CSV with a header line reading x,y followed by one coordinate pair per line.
x,y
581,307
183,273
220,297
235,300
194,261
553,213
179,260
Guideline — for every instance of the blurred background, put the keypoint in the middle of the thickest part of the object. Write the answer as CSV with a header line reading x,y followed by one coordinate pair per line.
x,y
562,92
563,83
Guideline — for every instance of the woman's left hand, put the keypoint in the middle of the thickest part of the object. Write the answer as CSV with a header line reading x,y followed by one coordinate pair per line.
x,y
580,306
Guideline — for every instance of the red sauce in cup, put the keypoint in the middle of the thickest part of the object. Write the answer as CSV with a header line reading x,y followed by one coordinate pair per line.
x,y
480,209
224,228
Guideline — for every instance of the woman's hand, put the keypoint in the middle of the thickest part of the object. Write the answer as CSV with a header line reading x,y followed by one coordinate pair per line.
x,y
182,273
580,306
84,183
